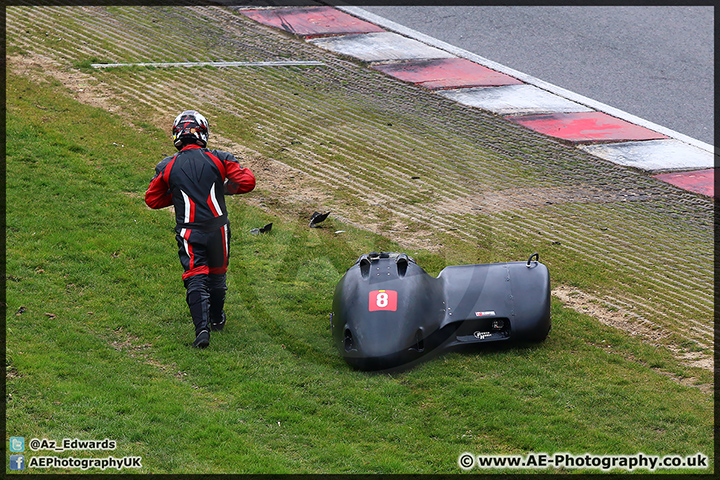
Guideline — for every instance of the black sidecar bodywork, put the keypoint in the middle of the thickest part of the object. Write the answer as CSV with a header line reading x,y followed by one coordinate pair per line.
x,y
388,312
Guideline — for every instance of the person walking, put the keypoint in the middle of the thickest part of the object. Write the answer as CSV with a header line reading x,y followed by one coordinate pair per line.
x,y
195,181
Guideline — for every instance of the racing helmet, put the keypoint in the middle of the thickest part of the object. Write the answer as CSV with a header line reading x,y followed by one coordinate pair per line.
x,y
190,127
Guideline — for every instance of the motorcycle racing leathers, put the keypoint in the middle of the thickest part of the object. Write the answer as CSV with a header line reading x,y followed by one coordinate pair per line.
x,y
195,181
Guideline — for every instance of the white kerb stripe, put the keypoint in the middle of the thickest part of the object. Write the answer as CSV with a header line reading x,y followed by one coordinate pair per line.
x,y
214,201
186,201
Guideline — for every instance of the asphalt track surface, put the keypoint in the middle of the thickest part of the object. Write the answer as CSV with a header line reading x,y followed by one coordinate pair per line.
x,y
653,62
388,156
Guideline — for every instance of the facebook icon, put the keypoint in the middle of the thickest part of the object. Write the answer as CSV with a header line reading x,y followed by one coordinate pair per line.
x,y
17,462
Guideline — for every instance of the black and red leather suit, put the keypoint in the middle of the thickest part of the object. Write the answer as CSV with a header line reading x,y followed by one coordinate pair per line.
x,y
195,181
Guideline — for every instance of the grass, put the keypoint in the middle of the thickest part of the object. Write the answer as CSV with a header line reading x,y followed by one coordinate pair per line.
x,y
101,348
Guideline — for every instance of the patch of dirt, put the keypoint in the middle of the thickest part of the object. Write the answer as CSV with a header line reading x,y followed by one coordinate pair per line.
x,y
280,181
86,88
128,343
11,373
609,315
125,342
634,325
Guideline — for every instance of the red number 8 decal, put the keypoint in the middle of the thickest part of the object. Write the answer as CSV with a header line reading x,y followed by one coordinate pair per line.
x,y
383,300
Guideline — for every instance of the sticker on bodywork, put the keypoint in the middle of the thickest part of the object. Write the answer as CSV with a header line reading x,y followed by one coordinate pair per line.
x,y
384,300
485,314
